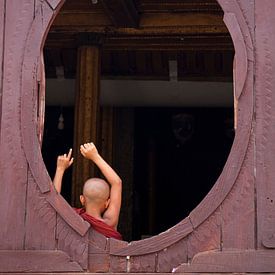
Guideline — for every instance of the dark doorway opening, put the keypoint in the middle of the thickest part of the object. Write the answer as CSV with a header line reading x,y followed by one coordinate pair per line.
x,y
179,154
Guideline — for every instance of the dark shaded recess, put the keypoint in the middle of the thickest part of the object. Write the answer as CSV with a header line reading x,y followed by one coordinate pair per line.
x,y
185,171
57,142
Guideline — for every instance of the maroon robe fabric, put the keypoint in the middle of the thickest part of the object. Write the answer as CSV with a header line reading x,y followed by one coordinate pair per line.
x,y
99,225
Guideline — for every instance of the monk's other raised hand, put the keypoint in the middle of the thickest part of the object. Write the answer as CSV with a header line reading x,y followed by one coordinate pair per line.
x,y
89,151
64,161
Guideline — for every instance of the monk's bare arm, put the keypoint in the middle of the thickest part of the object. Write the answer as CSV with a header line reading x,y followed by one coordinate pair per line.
x,y
111,215
63,163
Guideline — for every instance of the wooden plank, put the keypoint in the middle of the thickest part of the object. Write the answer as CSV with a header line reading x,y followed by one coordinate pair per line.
x,y
231,262
265,130
118,264
40,220
36,261
207,236
72,243
170,257
238,227
18,19
146,263
157,243
2,34
98,262
98,241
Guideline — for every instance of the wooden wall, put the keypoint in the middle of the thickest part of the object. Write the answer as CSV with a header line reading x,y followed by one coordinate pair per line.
x,y
231,230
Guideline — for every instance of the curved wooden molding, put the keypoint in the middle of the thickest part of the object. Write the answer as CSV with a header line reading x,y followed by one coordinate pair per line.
x,y
216,195
31,146
156,243
240,52
232,167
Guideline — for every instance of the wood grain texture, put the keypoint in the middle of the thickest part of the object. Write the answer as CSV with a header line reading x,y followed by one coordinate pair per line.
x,y
244,121
72,243
40,220
205,237
99,262
231,262
158,242
2,51
36,261
118,264
170,257
265,130
146,263
238,209
240,54
13,184
86,113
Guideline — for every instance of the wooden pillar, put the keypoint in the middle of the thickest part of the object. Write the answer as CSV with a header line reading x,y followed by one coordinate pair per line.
x,y
86,109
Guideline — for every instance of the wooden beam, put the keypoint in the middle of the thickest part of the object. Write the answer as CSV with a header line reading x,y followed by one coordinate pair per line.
x,y
123,13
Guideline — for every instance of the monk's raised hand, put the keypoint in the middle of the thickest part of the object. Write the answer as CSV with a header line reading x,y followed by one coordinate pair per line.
x,y
89,151
64,161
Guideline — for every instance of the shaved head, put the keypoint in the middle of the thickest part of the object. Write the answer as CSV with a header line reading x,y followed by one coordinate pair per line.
x,y
96,190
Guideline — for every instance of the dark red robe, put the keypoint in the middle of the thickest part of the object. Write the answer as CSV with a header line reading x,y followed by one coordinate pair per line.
x,y
99,225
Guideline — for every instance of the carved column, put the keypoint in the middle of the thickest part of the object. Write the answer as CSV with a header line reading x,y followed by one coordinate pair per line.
x,y
86,108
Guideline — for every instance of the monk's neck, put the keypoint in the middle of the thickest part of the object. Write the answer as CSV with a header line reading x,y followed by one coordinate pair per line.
x,y
93,211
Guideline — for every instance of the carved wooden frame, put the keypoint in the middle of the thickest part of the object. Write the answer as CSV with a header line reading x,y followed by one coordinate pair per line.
x,y
201,230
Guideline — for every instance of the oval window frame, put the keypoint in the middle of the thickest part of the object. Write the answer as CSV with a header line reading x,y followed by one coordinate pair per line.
x,y
243,83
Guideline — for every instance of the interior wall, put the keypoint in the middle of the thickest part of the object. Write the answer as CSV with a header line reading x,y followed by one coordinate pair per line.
x,y
130,93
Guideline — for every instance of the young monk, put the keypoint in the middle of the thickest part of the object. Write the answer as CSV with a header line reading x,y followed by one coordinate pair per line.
x,y
101,200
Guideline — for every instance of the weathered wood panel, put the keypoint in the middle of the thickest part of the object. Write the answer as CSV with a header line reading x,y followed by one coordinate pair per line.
x,y
72,243
2,33
13,184
238,227
235,261
36,261
265,130
40,220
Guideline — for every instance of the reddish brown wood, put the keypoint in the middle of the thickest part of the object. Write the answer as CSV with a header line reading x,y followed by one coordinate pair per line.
x,y
118,264
158,242
168,258
99,262
145,263
69,241
13,166
265,131
36,261
231,261
2,32
40,217
236,219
